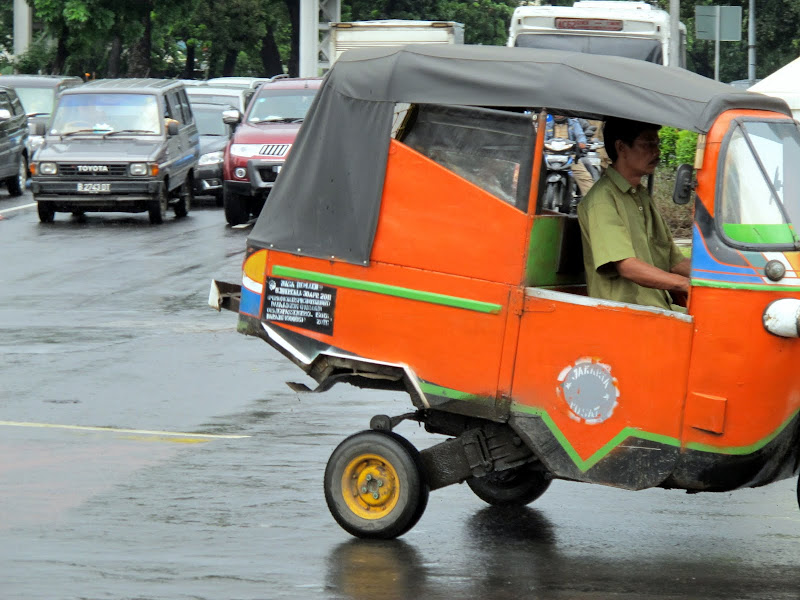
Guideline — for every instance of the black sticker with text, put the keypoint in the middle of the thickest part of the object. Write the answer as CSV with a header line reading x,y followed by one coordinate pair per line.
x,y
300,303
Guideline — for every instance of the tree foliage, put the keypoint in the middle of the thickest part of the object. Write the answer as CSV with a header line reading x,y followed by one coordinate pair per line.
x,y
190,38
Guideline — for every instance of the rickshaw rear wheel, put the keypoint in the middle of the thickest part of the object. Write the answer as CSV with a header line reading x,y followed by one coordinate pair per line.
x,y
798,492
512,487
374,485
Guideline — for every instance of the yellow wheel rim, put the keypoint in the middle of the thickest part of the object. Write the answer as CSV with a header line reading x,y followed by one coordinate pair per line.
x,y
370,486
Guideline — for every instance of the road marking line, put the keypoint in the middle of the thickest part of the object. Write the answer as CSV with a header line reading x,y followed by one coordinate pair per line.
x,y
115,430
8,210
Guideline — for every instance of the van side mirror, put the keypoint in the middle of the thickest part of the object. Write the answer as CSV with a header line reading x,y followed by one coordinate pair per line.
x,y
39,128
231,117
172,127
684,184
5,114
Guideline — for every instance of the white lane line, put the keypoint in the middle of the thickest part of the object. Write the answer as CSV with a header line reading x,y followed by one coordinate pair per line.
x,y
115,430
8,210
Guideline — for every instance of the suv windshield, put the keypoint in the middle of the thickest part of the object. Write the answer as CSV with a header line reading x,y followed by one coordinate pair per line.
x,y
281,105
104,113
36,100
760,201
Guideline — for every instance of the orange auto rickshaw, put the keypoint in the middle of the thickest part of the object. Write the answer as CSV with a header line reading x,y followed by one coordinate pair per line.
x,y
406,247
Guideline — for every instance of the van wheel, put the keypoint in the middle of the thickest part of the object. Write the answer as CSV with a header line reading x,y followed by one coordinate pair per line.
x,y
512,487
185,199
374,486
16,184
46,212
236,210
157,207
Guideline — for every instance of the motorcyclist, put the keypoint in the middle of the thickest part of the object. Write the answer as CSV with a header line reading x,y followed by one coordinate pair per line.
x,y
559,126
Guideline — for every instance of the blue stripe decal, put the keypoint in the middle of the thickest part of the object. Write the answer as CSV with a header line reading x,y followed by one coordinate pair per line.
x,y
703,263
250,302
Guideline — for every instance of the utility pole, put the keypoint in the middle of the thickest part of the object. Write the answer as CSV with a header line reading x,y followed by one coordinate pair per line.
x,y
675,33
22,27
751,43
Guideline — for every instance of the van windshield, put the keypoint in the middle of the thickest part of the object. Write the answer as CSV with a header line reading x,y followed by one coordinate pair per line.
x,y
281,105
36,100
104,113
640,49
760,201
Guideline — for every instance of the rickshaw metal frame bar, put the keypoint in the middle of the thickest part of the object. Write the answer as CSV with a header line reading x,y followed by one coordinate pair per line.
x,y
388,290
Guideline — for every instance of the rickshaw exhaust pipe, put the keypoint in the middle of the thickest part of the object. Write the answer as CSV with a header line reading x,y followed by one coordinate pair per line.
x,y
782,318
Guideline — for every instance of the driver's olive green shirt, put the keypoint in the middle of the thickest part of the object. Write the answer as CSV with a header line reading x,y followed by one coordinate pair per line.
x,y
619,221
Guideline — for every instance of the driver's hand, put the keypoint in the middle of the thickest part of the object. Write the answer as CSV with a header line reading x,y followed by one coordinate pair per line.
x,y
582,146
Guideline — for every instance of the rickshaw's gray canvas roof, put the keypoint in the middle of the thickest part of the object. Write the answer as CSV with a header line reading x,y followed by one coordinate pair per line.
x,y
327,198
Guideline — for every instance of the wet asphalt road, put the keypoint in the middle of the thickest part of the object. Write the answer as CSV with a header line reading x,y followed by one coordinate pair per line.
x,y
104,324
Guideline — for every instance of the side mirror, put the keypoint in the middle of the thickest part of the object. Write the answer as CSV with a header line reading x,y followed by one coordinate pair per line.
x,y
231,117
172,127
684,184
39,128
4,114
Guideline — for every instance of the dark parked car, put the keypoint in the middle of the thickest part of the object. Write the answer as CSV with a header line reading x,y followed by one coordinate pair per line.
x,y
214,136
118,145
13,138
38,94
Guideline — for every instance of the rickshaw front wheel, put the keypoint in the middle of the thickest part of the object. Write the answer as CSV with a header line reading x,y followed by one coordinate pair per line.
x,y
374,485
512,487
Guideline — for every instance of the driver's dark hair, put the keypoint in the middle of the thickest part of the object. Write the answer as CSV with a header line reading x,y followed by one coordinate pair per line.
x,y
624,130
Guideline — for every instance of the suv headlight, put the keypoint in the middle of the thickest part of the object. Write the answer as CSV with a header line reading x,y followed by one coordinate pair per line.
x,y
245,150
212,158
138,169
48,168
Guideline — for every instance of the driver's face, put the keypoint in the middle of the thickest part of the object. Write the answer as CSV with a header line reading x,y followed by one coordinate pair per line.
x,y
643,154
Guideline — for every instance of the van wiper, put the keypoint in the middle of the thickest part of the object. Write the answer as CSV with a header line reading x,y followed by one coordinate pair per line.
x,y
36,114
76,132
278,120
110,133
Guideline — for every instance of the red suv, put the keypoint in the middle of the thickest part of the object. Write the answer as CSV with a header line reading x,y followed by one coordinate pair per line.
x,y
263,138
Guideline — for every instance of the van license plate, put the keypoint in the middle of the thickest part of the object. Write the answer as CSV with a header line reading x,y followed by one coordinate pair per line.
x,y
94,188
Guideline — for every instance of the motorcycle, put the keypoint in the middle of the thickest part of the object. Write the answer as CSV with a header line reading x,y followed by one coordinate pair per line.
x,y
559,156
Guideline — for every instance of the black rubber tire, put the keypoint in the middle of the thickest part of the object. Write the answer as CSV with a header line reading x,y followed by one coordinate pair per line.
x,y
236,209
512,487
550,197
409,491
157,207
798,491
46,212
184,203
16,184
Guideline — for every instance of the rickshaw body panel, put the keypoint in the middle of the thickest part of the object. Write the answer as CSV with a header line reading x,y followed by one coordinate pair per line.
x,y
420,260
599,384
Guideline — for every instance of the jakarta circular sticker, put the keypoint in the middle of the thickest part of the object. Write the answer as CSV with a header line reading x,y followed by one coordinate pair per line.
x,y
589,390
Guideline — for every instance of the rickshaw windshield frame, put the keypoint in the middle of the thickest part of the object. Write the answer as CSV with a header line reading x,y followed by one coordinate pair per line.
x,y
740,125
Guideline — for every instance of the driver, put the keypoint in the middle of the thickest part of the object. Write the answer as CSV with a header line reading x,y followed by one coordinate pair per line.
x,y
628,251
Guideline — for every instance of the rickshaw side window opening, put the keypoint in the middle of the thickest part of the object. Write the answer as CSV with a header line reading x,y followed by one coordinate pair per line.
x,y
490,148
760,194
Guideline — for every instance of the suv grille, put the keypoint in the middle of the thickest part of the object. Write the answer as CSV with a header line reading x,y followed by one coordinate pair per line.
x,y
274,149
92,170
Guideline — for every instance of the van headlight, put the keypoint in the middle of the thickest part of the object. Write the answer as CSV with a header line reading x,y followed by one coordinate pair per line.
x,y
138,169
212,158
48,168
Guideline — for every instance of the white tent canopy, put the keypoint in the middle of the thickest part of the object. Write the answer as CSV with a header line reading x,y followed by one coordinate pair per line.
x,y
783,83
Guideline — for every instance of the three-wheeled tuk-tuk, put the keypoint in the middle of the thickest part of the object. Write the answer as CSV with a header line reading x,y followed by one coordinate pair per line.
x,y
405,247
